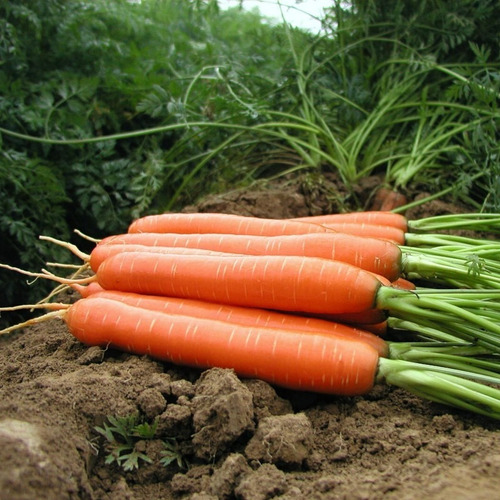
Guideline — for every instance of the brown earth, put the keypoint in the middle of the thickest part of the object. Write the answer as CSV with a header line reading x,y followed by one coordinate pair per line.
x,y
233,438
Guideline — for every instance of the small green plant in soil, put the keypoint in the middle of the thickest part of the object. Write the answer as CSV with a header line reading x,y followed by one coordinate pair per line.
x,y
122,435
172,453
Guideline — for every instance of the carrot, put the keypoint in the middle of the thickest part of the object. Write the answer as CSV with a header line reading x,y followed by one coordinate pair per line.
x,y
220,223
235,224
238,224
87,290
371,254
312,361
315,361
389,233
101,252
404,284
377,329
436,223
386,199
287,283
370,320
243,316
378,218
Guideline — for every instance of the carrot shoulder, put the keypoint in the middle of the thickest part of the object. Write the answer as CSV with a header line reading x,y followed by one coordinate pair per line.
x,y
314,362
288,283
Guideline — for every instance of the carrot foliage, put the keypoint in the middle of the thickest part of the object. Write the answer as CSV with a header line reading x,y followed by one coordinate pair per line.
x,y
123,436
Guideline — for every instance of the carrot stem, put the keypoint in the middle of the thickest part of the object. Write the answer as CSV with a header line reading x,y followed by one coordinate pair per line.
x,y
427,332
459,270
442,312
436,240
442,386
465,359
474,221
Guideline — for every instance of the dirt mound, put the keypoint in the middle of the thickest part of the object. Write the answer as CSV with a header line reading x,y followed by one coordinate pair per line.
x,y
218,436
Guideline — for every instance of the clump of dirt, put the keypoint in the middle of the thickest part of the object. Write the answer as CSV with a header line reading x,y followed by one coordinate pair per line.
x,y
282,440
218,436
222,412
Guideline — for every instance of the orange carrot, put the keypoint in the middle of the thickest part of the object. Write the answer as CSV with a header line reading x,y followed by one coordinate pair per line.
x,y
371,254
377,329
387,199
314,362
220,223
101,252
245,316
393,234
378,218
404,284
287,283
87,290
365,320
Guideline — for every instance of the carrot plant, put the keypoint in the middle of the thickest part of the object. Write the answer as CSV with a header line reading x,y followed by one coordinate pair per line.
x,y
122,435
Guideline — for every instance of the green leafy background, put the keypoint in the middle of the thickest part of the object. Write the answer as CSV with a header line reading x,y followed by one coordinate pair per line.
x,y
197,100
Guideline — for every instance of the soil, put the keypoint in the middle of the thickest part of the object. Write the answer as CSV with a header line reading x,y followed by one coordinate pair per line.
x,y
228,438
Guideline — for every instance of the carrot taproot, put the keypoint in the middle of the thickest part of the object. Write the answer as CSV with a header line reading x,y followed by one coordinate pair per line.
x,y
291,359
288,283
220,223
373,217
372,254
88,286
244,316
364,320
370,320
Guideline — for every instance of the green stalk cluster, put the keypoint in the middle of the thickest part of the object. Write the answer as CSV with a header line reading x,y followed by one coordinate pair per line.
x,y
452,352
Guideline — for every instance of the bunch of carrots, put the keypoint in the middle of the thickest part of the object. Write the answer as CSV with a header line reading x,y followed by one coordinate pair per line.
x,y
301,303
